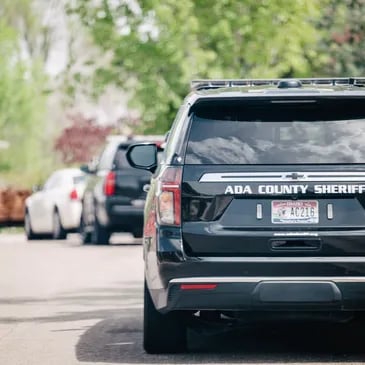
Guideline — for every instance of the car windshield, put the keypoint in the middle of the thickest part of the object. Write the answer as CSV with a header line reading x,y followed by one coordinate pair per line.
x,y
278,134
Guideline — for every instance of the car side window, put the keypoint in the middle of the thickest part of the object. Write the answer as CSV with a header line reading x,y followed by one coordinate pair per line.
x,y
106,158
120,159
174,137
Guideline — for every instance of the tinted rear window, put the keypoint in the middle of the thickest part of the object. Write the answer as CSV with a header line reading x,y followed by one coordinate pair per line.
x,y
120,159
79,179
329,132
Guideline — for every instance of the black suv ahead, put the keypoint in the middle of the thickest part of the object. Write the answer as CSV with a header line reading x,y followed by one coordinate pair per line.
x,y
115,193
258,208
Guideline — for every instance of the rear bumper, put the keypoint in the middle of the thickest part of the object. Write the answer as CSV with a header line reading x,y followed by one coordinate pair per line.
x,y
266,294
70,215
251,283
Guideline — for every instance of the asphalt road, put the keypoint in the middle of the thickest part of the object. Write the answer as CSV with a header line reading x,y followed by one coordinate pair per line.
x,y
63,303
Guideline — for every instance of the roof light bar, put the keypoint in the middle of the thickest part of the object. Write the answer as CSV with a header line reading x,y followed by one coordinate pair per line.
x,y
215,84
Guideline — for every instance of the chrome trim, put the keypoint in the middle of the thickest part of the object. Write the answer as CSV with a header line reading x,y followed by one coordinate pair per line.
x,y
258,279
259,211
316,259
146,188
282,176
295,234
330,211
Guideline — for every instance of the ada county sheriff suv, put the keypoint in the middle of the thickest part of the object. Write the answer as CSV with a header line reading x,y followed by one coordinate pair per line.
x,y
258,208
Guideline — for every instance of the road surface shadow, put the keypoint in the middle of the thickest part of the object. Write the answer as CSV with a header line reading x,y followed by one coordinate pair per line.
x,y
119,340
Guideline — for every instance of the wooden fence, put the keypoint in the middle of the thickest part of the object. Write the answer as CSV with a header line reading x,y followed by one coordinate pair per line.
x,y
12,206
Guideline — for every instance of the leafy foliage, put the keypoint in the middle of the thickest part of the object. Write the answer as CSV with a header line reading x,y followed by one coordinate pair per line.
x,y
344,22
21,113
156,47
80,142
35,35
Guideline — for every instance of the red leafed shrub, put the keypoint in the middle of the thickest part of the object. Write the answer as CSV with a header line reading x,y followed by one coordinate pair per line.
x,y
79,142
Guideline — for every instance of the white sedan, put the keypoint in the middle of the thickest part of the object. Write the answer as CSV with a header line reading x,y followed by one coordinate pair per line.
x,y
55,210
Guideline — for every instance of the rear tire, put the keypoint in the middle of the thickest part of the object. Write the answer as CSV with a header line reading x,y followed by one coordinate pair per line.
x,y
85,236
100,234
163,333
138,233
58,231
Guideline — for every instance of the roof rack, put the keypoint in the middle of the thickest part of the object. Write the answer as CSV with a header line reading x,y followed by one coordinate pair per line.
x,y
223,83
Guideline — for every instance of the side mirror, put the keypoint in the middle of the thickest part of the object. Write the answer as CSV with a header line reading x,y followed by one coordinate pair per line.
x,y
143,156
84,168
36,188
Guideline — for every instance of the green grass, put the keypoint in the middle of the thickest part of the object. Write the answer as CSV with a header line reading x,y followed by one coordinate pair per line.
x,y
11,230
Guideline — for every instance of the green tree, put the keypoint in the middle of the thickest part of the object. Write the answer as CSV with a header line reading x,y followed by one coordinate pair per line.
x,y
343,41
155,48
23,16
21,113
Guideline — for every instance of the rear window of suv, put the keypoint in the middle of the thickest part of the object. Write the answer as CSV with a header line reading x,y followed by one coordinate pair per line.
x,y
120,159
330,131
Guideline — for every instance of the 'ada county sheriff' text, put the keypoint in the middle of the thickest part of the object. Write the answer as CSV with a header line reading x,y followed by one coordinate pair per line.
x,y
295,189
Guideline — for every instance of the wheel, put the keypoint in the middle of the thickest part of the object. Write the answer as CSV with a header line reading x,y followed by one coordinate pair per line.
x,y
85,235
58,231
28,228
162,333
138,233
100,234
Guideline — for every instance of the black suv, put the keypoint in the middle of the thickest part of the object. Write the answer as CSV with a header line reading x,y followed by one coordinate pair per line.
x,y
115,194
258,207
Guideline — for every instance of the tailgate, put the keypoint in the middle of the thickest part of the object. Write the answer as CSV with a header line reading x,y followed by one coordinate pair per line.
x,y
279,213
275,177
130,184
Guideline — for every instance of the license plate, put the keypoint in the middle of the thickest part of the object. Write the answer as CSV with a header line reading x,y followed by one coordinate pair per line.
x,y
294,211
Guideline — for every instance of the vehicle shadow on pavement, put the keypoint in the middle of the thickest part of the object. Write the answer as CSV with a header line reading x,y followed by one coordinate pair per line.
x,y
119,340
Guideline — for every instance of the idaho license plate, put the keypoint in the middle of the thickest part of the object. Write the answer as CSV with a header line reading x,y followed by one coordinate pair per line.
x,y
294,211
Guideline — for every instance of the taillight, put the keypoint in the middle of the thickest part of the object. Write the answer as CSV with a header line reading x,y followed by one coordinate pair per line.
x,y
109,184
74,195
169,197
198,286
